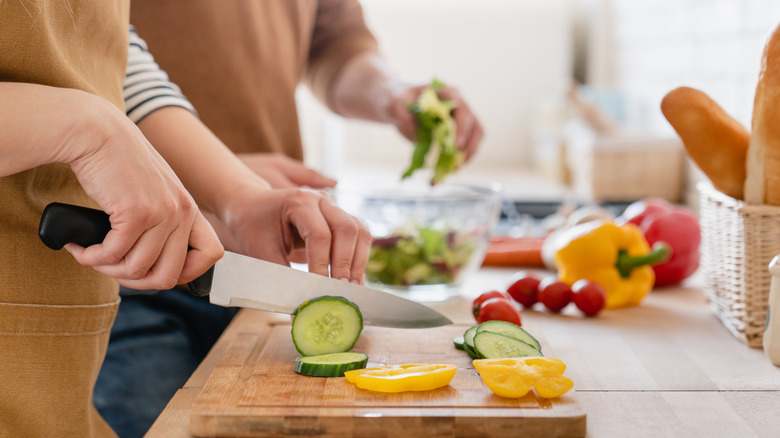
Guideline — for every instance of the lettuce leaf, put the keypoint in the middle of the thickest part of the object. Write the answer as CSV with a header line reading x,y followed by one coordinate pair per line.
x,y
435,133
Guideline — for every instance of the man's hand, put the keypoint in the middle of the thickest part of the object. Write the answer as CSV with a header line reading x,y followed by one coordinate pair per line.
x,y
469,130
270,224
283,172
368,88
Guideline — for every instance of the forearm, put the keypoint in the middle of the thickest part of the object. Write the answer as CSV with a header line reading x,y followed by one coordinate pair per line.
x,y
209,170
42,125
365,88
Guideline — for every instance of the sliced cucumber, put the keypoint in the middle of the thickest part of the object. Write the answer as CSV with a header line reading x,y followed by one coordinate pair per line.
x,y
468,336
471,351
326,325
511,330
331,364
459,343
468,341
491,345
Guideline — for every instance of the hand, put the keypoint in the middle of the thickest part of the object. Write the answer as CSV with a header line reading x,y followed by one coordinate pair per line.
x,y
469,129
153,218
270,224
283,172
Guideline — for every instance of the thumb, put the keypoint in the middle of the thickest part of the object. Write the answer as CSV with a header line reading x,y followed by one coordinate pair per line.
x,y
304,176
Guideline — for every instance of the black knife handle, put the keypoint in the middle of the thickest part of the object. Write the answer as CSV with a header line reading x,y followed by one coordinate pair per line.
x,y
65,223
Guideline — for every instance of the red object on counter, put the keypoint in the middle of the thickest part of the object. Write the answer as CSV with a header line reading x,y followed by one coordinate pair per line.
x,y
554,294
499,309
477,303
589,297
677,226
515,252
524,289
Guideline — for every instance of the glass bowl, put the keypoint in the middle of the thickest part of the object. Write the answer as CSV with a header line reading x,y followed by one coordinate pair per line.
x,y
427,239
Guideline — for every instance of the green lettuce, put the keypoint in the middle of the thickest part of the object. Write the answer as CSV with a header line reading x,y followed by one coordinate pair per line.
x,y
435,132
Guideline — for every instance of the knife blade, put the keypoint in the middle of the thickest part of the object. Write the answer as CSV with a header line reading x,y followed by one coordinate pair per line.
x,y
240,281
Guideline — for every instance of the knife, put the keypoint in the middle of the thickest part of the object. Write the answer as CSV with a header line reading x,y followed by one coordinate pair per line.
x,y
240,281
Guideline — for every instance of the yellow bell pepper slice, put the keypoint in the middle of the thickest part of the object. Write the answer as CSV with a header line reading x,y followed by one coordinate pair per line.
x,y
514,378
402,378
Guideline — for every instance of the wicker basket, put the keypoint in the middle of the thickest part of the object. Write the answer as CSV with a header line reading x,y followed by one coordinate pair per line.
x,y
625,168
738,242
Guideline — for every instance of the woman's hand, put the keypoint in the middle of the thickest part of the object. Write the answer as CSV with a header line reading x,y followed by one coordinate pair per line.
x,y
153,218
270,224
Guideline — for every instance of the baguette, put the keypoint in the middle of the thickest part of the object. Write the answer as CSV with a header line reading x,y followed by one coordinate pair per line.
x,y
762,185
715,141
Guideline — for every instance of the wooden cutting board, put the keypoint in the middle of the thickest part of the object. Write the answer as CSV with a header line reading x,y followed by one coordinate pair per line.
x,y
254,392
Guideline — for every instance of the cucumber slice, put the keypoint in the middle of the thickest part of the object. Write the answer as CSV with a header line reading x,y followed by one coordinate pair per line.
x,y
458,342
491,345
326,325
468,341
471,351
511,330
468,336
331,364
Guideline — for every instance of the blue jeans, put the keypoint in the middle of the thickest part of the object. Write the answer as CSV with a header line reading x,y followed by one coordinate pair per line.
x,y
156,343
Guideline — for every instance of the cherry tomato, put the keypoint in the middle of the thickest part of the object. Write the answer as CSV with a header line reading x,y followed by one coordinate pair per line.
x,y
589,297
524,289
486,296
499,309
554,294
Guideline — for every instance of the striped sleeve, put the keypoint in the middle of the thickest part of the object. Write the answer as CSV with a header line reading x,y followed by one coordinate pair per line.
x,y
147,87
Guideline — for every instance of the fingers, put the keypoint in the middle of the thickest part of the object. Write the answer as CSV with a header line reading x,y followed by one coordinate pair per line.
x,y
400,113
346,231
360,257
132,246
298,255
276,179
302,176
126,229
158,258
469,129
283,172
469,132
167,267
405,121
473,141
306,217
205,251
333,238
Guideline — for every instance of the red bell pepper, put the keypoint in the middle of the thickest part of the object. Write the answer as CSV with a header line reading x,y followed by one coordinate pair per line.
x,y
675,225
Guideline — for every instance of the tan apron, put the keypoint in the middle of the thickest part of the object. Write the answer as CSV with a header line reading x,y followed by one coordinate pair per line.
x,y
55,315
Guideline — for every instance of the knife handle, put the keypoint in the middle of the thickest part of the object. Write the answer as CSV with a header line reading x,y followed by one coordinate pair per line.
x,y
65,223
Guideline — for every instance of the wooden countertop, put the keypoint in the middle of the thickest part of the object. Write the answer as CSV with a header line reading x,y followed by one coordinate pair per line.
x,y
666,368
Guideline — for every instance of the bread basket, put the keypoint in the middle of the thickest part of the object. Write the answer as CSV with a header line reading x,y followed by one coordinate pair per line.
x,y
738,243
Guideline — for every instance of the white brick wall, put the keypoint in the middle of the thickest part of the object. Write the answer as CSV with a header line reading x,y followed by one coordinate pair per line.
x,y
712,45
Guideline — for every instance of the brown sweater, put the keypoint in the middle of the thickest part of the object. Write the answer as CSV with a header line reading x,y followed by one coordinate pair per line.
x,y
240,61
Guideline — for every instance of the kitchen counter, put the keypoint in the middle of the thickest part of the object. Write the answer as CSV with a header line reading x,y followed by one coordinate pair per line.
x,y
666,368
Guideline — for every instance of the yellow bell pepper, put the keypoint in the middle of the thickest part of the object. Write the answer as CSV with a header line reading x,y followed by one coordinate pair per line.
x,y
402,378
617,258
514,378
